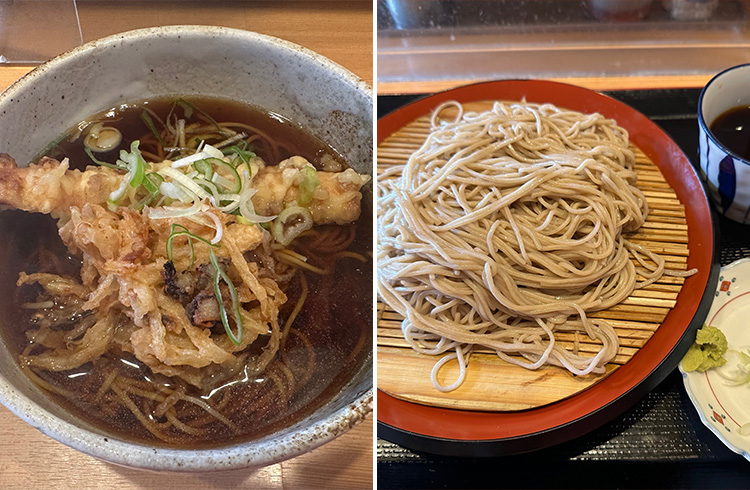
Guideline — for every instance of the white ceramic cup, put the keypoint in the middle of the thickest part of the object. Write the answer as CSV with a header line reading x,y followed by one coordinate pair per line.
x,y
727,175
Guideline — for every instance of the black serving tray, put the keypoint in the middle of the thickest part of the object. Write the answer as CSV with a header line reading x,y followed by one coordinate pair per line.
x,y
658,443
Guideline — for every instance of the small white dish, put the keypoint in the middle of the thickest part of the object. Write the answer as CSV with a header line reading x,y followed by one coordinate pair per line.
x,y
724,408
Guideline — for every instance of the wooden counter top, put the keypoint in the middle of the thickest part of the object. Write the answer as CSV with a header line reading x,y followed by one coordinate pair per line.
x,y
30,460
342,31
592,83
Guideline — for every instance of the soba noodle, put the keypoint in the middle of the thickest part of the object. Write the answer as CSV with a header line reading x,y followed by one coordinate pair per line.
x,y
82,338
506,228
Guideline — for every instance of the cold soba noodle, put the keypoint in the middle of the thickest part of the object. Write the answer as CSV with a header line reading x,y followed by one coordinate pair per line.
x,y
212,282
507,227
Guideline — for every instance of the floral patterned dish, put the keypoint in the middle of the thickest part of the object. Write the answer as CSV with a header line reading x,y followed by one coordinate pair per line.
x,y
724,408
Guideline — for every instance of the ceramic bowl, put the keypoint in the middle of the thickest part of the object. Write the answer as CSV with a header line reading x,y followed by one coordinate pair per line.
x,y
321,96
727,174
723,407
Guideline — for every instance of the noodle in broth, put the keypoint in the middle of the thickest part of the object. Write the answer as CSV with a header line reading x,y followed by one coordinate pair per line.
x,y
313,343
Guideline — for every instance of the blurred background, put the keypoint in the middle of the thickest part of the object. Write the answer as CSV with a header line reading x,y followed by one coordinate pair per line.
x,y
33,31
430,45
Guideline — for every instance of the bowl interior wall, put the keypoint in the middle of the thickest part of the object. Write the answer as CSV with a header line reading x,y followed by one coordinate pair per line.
x,y
241,66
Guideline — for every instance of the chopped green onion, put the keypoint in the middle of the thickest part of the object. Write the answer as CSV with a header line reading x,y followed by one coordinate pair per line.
x,y
216,196
232,203
184,231
136,166
184,181
220,275
206,152
224,182
204,167
307,187
237,184
138,176
165,211
240,149
737,368
291,222
100,138
231,140
145,201
150,123
100,162
247,209
151,182
174,192
117,194
135,163
189,108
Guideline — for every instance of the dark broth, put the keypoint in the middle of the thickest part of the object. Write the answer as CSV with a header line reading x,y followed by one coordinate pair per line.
x,y
732,129
292,139
336,317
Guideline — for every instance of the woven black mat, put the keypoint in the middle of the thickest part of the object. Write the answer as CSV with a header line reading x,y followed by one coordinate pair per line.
x,y
658,443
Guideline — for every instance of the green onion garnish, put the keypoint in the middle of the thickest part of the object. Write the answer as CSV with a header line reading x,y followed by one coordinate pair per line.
x,y
150,123
233,171
135,163
189,108
184,231
220,275
151,183
136,167
290,223
240,149
204,167
144,202
100,162
307,187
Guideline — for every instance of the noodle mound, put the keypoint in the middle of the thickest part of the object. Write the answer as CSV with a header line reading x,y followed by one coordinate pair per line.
x,y
505,228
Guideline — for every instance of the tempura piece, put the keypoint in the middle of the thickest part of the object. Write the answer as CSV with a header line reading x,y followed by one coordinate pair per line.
x,y
336,201
50,187
123,276
150,275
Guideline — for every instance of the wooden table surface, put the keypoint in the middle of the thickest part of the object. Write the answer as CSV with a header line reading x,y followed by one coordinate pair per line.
x,y
342,31
592,83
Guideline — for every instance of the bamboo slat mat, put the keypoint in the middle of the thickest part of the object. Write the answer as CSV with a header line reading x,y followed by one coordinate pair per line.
x,y
494,385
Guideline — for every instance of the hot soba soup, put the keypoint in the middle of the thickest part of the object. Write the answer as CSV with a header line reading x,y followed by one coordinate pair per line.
x,y
187,272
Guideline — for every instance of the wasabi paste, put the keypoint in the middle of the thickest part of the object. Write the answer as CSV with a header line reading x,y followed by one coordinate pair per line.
x,y
707,351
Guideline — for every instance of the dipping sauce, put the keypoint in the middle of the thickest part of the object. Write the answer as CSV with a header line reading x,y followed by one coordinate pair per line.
x,y
732,129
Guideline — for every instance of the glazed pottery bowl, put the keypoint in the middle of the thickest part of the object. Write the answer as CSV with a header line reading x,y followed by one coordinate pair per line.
x,y
727,174
321,96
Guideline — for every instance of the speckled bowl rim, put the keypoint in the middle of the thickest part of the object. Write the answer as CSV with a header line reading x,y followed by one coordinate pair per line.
x,y
288,46
302,437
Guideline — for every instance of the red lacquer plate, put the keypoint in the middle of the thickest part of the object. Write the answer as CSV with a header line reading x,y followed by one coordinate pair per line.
x,y
469,433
